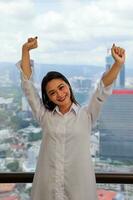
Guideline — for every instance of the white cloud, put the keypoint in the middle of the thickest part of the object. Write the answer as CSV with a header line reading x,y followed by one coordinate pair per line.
x,y
17,10
77,32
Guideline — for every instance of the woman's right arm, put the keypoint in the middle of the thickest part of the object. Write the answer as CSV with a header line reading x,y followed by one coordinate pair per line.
x,y
29,89
25,63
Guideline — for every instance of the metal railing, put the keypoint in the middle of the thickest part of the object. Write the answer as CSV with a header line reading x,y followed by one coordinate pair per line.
x,y
114,178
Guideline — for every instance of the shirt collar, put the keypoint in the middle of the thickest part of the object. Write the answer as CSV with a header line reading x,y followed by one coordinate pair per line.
x,y
74,108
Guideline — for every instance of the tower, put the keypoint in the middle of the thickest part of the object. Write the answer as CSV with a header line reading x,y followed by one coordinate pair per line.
x,y
120,82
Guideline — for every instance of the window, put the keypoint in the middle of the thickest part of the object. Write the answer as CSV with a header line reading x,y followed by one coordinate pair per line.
x,y
75,38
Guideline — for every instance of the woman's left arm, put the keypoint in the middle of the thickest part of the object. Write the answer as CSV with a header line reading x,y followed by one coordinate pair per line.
x,y
104,89
118,54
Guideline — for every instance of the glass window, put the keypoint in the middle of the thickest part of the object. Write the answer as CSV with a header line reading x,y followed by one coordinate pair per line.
x,y
75,38
114,191
15,191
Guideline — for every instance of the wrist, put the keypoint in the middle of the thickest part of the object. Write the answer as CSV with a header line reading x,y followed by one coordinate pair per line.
x,y
25,49
118,63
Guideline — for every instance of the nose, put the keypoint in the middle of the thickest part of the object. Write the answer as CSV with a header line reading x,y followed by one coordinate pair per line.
x,y
59,94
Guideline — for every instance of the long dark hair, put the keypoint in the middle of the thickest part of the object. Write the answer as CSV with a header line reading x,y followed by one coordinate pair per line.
x,y
49,76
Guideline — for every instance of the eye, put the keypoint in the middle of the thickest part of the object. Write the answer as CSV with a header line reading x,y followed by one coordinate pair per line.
x,y
52,93
61,87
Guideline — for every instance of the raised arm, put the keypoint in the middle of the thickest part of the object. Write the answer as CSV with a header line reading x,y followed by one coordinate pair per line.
x,y
25,62
27,83
119,57
105,87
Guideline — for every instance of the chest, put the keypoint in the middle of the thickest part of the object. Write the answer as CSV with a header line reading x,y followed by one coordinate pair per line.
x,y
69,126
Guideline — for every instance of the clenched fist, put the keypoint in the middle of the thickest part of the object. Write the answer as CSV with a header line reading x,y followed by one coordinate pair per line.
x,y
30,44
118,54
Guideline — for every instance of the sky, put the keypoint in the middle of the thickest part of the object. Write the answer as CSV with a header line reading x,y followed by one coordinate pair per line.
x,y
69,31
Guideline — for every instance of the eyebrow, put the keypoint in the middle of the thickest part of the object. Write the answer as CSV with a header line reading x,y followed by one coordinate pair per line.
x,y
50,91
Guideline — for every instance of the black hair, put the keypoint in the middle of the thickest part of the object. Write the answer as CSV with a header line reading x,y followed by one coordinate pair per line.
x,y
50,76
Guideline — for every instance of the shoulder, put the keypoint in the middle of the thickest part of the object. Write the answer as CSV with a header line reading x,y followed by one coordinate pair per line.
x,y
82,109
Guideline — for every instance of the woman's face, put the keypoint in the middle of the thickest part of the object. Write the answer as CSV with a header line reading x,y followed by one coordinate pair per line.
x,y
59,93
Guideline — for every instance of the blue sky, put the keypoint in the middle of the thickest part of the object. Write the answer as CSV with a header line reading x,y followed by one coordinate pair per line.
x,y
69,31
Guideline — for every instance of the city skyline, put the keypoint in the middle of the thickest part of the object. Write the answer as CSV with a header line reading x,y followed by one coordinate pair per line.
x,y
72,34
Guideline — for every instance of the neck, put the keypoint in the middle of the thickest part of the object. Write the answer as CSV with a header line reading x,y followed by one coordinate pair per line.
x,y
64,109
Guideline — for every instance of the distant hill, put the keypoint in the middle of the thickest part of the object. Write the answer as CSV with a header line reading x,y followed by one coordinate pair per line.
x,y
67,70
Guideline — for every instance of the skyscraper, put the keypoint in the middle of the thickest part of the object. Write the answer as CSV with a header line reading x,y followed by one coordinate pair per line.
x,y
120,82
116,126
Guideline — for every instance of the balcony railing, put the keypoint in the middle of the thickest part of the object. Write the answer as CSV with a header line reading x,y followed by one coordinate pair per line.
x,y
27,177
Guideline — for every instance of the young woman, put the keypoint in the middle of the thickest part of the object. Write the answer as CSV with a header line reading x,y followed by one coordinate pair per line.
x,y
64,169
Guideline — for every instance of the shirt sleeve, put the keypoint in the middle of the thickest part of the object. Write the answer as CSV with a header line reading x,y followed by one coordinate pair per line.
x,y
98,98
31,94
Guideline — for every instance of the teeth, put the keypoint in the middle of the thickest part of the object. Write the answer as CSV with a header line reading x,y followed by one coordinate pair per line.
x,y
62,99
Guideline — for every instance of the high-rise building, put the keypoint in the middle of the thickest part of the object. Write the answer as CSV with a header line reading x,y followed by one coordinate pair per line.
x,y
120,82
122,77
116,126
81,83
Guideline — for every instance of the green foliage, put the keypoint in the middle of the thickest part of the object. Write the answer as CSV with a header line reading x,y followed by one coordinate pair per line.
x,y
34,136
13,166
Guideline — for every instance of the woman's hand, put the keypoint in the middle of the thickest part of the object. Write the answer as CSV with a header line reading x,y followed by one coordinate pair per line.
x,y
119,57
25,63
30,44
118,54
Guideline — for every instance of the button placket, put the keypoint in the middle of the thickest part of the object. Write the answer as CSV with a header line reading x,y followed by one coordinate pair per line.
x,y
60,151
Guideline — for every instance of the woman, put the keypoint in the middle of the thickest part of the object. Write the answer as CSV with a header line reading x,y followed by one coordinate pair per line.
x,y
64,169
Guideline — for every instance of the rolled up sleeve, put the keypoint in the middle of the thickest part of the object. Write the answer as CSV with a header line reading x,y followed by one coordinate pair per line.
x,y
32,94
98,98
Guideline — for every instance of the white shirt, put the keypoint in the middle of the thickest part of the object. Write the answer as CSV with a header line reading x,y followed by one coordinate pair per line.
x,y
64,169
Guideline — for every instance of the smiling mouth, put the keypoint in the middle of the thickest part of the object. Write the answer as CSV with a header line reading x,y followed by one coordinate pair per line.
x,y
62,99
